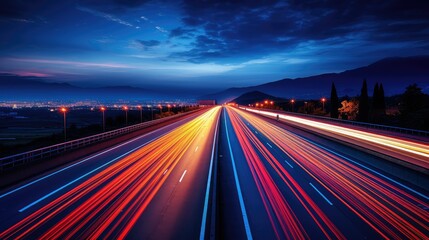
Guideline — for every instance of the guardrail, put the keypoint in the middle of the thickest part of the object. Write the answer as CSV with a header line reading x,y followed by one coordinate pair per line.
x,y
10,162
355,123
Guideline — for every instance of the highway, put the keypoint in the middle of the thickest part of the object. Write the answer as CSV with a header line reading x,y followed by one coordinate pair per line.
x,y
272,181
290,184
153,186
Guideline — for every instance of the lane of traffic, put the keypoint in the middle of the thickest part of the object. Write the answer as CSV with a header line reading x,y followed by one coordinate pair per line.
x,y
390,209
109,202
409,151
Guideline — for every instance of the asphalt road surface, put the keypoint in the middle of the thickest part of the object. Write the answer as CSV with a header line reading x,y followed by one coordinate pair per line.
x,y
151,187
290,184
274,181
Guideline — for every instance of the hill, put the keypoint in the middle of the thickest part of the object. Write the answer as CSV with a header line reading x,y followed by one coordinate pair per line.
x,y
255,96
395,74
32,88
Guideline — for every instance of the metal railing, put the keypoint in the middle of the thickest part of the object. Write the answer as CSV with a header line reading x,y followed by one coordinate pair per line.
x,y
409,131
10,162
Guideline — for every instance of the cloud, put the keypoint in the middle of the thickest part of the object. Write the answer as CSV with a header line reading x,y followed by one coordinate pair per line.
x,y
147,44
233,29
20,11
72,63
28,74
113,5
161,29
182,33
104,15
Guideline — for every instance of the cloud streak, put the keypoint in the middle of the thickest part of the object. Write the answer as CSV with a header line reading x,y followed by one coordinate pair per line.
x,y
105,16
70,63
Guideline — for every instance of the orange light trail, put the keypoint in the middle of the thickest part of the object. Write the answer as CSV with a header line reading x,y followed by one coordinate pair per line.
x,y
391,211
108,204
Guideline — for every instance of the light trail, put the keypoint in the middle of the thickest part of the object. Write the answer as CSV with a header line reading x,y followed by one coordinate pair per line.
x,y
109,203
385,206
274,201
406,150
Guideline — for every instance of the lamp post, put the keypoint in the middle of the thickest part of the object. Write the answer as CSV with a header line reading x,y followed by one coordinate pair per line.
x,y
126,114
64,111
168,106
102,109
292,101
151,109
305,107
160,108
141,114
323,104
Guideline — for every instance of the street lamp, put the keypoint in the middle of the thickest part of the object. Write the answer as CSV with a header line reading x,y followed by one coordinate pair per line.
x,y
292,101
64,111
257,104
160,108
126,114
168,106
323,104
141,114
102,109
151,109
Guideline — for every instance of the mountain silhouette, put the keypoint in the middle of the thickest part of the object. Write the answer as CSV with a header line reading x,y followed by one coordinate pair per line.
x,y
395,74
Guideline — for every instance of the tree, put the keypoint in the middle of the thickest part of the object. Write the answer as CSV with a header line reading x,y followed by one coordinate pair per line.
x,y
363,103
382,100
378,109
414,108
349,109
334,102
412,100
375,97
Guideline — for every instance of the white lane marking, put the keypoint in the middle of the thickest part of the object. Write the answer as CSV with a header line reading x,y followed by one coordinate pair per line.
x,y
290,165
88,173
206,200
183,175
165,171
321,194
237,184
269,145
86,159
196,149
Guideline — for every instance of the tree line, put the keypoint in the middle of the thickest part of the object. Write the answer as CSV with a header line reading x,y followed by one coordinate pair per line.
x,y
412,107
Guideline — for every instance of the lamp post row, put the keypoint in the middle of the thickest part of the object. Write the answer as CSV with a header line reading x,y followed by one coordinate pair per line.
x,y
103,109
292,102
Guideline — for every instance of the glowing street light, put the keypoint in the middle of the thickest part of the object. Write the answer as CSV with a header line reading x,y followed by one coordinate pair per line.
x,y
168,106
292,101
257,104
102,109
125,108
272,102
160,108
151,109
64,111
141,114
323,104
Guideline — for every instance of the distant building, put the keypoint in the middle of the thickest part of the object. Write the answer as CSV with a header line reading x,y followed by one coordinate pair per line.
x,y
205,103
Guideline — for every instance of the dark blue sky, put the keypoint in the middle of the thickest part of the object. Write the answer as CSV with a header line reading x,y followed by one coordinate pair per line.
x,y
203,44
